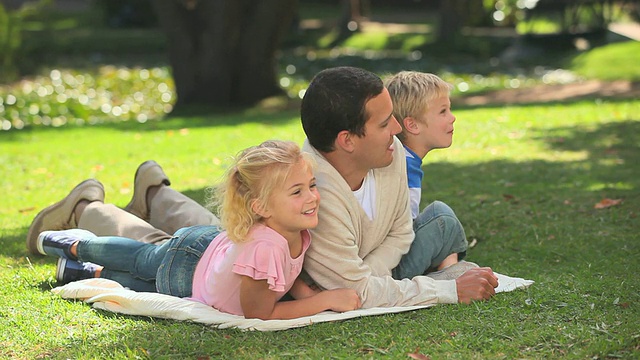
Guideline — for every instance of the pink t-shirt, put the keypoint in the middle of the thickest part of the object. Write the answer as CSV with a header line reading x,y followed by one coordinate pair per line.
x,y
216,281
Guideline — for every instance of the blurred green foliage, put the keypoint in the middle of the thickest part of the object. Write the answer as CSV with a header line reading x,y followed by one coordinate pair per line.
x,y
116,93
612,62
11,28
551,16
73,85
74,97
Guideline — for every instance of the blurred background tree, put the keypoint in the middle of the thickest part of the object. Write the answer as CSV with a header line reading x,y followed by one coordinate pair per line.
x,y
223,52
11,28
116,60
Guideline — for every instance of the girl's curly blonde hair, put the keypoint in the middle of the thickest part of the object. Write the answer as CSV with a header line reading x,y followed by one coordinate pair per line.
x,y
257,171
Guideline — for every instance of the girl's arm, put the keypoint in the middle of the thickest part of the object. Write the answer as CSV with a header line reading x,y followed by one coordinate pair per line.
x,y
258,301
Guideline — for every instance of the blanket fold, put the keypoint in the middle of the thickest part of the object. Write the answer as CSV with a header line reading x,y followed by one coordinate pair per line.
x,y
108,295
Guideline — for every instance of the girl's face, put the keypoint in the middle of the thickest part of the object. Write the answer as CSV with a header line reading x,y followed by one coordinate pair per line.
x,y
293,206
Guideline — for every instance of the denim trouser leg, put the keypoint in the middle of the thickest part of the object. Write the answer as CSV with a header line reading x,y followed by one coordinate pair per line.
x,y
110,220
175,274
166,268
170,211
438,234
129,262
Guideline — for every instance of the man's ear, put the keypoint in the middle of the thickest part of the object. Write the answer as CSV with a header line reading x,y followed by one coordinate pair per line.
x,y
260,209
411,125
344,141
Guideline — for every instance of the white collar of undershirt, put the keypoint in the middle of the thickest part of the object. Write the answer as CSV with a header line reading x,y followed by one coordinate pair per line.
x,y
366,195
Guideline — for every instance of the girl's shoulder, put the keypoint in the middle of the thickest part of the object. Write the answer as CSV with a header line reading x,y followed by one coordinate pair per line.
x,y
264,233
264,236
261,236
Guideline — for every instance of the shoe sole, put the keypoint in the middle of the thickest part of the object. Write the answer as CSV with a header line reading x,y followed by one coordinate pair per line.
x,y
60,266
454,271
40,240
37,224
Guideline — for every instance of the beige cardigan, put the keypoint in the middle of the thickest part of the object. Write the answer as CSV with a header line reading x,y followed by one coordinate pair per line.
x,y
349,250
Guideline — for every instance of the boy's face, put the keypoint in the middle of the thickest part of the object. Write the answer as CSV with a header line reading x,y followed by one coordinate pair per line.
x,y
436,124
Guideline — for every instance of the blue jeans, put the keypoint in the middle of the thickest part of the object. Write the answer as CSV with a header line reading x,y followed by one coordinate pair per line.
x,y
438,234
167,268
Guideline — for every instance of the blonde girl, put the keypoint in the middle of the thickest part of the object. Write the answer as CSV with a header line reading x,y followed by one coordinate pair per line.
x,y
267,203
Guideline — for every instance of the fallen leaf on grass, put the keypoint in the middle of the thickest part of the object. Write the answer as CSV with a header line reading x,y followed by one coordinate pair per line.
x,y
418,356
26,210
125,188
607,203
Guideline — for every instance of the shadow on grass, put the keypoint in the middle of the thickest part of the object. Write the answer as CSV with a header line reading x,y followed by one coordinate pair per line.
x,y
459,103
231,118
540,214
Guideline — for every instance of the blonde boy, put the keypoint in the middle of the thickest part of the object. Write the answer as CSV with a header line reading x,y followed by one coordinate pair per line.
x,y
422,106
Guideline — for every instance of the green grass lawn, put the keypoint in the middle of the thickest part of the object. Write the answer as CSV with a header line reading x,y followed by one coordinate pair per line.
x,y
523,179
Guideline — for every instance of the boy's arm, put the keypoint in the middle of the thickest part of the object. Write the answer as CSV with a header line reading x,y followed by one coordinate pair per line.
x,y
414,180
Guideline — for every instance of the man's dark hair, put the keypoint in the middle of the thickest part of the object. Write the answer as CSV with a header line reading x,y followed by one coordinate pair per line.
x,y
335,101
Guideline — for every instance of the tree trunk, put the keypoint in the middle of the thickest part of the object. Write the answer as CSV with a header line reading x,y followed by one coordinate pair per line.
x,y
454,14
450,21
223,52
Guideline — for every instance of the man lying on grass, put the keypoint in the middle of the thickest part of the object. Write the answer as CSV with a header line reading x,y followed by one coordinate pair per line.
x,y
366,238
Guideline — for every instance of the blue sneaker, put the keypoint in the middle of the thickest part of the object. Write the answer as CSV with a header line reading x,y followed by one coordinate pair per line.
x,y
58,242
70,270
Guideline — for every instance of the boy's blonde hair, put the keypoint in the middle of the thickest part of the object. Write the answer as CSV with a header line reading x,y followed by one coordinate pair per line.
x,y
257,171
411,92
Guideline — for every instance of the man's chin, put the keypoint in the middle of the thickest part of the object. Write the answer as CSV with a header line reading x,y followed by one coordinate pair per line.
x,y
386,163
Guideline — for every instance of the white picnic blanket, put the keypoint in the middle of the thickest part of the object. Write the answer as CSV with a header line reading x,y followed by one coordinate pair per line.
x,y
109,295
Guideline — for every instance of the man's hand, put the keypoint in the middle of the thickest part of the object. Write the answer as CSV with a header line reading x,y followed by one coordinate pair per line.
x,y
476,284
342,300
